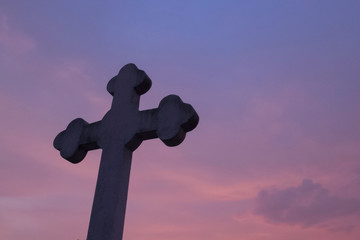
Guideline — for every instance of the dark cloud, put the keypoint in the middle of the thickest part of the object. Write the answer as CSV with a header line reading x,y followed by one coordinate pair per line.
x,y
306,205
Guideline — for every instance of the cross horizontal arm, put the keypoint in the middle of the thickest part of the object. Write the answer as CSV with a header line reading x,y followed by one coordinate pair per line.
x,y
169,122
77,139
148,124
89,136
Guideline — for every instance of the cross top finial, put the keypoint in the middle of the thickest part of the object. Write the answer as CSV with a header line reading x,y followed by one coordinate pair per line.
x,y
129,79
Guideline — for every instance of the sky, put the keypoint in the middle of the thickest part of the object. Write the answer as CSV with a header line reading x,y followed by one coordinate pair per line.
x,y
276,154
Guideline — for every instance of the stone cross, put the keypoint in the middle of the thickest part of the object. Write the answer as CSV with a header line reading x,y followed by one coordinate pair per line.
x,y
118,134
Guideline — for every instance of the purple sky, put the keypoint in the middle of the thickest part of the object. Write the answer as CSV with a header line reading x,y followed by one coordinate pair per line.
x,y
276,154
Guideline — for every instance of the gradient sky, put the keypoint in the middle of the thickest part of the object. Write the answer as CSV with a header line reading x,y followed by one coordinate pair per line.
x,y
276,154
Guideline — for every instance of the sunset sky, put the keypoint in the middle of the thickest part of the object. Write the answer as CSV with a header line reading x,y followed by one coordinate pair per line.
x,y
276,154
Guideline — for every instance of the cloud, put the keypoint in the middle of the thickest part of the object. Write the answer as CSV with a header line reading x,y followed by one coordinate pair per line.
x,y
346,229
22,217
306,205
12,40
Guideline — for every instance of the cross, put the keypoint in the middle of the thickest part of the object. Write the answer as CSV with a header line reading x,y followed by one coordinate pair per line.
x,y
118,134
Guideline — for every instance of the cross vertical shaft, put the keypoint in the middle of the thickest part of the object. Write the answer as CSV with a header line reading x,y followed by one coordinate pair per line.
x,y
108,212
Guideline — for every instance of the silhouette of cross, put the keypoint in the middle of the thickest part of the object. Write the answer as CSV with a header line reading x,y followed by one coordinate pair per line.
x,y
118,134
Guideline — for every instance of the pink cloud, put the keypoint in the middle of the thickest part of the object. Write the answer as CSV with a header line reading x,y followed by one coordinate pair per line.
x,y
306,205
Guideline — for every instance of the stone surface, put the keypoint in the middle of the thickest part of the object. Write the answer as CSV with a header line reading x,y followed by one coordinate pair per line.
x,y
118,134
